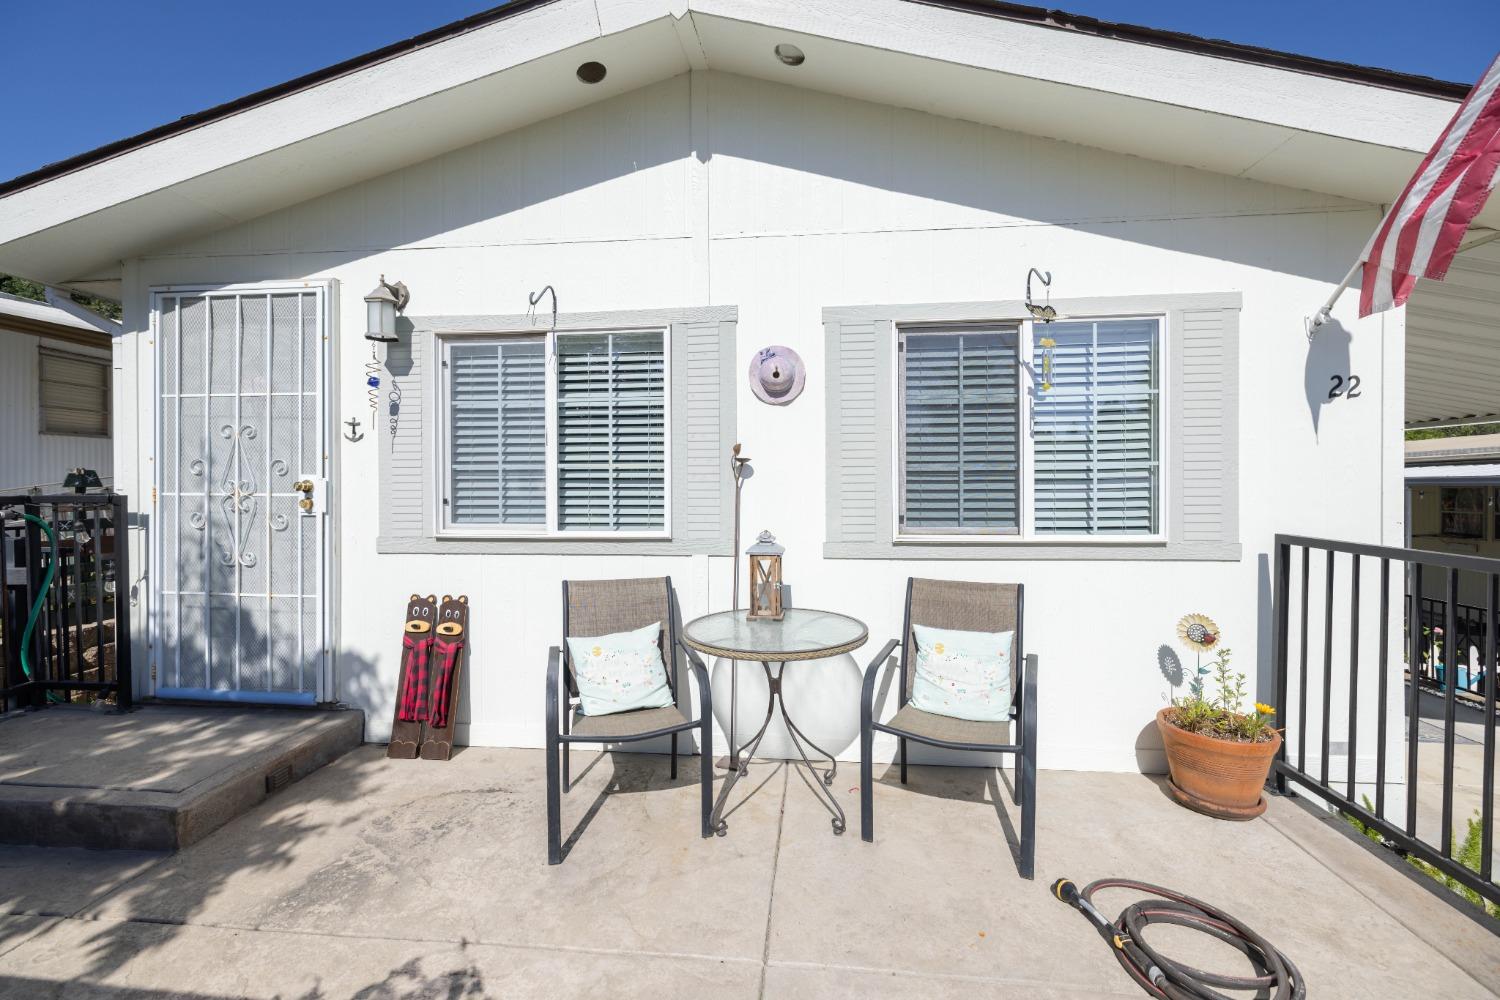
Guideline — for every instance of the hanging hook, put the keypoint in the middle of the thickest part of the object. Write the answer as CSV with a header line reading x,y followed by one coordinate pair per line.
x,y
1045,313
536,297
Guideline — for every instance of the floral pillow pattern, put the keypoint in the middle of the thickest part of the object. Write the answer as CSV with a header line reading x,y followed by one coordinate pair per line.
x,y
963,675
620,672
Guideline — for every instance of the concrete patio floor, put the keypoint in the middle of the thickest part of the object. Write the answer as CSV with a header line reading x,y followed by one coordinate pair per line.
x,y
383,879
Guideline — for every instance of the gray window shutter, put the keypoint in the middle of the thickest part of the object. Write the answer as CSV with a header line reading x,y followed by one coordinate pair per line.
x,y
406,473
858,357
1205,507
703,431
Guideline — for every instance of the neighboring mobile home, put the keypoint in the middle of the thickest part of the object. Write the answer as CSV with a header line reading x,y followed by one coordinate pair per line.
x,y
868,184
55,376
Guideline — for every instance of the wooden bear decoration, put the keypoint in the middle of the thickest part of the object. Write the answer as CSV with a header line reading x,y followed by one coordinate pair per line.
x,y
417,639
448,660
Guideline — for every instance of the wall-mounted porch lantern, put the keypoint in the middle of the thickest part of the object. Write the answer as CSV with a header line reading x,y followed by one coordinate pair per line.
x,y
381,307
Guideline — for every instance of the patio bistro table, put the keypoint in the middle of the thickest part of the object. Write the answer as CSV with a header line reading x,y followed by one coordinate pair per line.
x,y
801,634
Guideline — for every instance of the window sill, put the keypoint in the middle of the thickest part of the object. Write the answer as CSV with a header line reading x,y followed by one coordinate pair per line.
x,y
551,545
1051,540
539,538
1018,549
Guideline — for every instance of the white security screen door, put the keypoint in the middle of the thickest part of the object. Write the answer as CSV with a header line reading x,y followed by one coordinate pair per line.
x,y
241,533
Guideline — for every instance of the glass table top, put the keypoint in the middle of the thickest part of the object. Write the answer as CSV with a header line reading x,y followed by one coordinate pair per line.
x,y
802,634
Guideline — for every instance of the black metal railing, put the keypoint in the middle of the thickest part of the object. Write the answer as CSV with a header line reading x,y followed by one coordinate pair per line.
x,y
1470,635
1341,567
79,645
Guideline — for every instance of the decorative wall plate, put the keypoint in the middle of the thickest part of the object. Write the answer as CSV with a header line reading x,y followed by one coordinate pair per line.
x,y
777,375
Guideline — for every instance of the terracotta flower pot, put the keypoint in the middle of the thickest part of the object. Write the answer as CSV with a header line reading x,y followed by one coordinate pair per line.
x,y
1222,778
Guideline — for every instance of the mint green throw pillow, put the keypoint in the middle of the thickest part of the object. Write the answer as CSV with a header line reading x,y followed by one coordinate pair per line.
x,y
963,675
620,672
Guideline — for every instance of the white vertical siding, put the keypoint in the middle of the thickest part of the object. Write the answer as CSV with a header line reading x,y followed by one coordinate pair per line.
x,y
720,190
29,458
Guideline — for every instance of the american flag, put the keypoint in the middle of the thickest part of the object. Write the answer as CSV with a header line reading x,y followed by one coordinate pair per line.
x,y
1420,234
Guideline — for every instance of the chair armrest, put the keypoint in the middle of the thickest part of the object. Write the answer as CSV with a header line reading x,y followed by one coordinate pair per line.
x,y
867,694
1028,704
554,681
700,671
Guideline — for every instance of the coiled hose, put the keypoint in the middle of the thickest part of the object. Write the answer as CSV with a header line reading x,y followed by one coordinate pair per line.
x,y
1276,977
41,598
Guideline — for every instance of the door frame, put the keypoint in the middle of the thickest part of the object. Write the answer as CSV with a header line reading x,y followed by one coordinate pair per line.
x,y
327,631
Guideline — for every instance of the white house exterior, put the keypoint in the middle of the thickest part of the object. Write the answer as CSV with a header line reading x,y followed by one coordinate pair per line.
x,y
1193,206
55,373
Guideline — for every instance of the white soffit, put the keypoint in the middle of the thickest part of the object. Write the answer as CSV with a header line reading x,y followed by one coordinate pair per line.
x,y
1341,138
1347,139
1453,342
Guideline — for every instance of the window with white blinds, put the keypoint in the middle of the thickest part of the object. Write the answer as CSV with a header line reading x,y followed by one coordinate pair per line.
x,y
1082,457
960,431
1094,427
611,432
584,453
497,433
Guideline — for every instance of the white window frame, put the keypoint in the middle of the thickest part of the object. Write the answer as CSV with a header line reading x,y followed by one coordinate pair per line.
x,y
1026,453
443,342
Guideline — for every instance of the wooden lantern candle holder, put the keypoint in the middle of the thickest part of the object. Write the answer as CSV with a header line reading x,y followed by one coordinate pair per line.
x,y
765,578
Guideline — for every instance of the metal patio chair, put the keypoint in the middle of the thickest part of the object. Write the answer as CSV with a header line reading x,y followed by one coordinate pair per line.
x,y
976,607
604,607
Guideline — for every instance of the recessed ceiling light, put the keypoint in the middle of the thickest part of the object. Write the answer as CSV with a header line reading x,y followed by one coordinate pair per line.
x,y
591,72
790,54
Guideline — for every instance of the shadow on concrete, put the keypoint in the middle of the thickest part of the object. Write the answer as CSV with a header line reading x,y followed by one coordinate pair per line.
x,y
632,773
405,982
270,830
965,784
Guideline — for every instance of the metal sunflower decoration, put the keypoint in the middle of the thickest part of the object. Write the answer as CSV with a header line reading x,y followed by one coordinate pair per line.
x,y
1198,632
1201,635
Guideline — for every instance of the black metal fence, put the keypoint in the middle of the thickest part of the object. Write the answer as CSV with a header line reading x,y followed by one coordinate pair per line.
x,y
78,646
1470,633
1344,568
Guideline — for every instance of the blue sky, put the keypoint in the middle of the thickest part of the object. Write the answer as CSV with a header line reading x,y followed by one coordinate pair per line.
x,y
80,73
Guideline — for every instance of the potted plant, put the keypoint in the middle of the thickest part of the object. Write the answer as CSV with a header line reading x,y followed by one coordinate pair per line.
x,y
1219,755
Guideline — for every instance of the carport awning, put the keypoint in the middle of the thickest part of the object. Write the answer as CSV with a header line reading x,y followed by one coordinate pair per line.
x,y
1453,343
1452,474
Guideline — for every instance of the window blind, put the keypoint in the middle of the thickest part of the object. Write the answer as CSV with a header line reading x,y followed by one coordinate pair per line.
x,y
611,431
960,408
74,392
1094,427
498,433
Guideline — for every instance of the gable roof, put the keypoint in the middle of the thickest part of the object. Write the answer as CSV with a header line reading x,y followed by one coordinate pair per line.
x,y
1348,131
1041,16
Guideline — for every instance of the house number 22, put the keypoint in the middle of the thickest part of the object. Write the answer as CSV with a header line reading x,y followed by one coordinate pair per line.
x,y
1342,386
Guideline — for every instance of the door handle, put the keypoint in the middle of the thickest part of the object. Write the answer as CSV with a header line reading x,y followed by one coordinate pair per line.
x,y
305,487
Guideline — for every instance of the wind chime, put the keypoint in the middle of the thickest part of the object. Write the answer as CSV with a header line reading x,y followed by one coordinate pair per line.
x,y
1046,313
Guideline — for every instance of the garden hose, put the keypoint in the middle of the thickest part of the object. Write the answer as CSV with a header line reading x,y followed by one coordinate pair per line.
x,y
1276,977
41,598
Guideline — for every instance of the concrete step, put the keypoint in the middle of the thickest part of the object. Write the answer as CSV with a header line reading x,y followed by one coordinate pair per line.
x,y
157,778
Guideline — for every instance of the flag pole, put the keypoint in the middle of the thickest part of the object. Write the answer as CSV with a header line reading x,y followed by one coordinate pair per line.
x,y
1322,315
